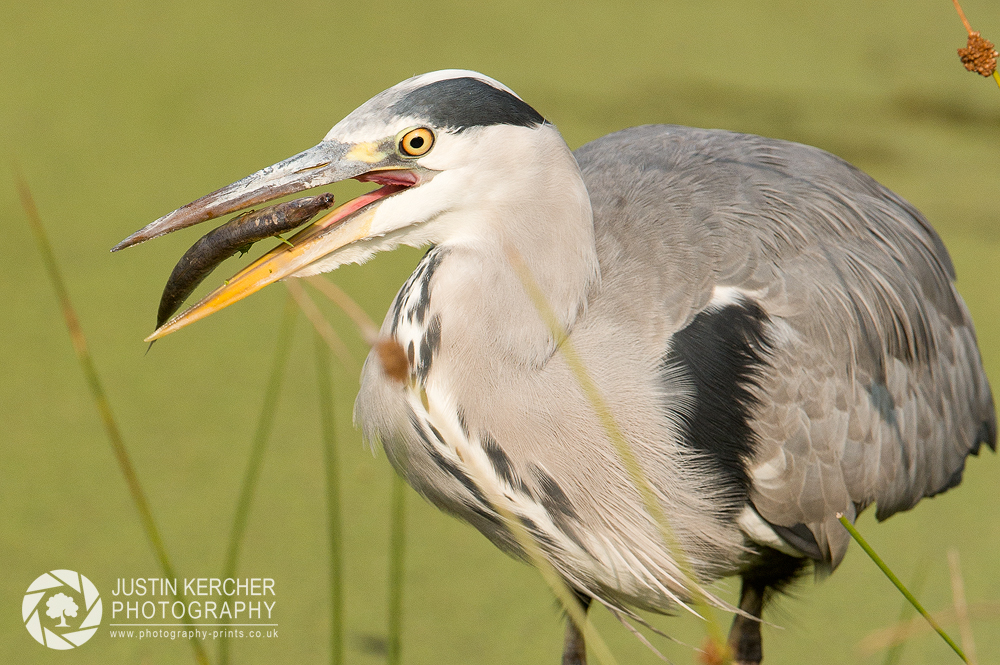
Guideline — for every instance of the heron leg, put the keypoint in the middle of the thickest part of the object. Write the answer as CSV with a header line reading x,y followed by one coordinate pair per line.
x,y
574,647
772,572
744,636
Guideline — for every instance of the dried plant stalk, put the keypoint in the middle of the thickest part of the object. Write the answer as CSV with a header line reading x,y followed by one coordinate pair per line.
x,y
101,402
978,55
961,606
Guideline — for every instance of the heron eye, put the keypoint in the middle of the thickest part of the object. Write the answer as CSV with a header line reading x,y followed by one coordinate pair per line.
x,y
416,142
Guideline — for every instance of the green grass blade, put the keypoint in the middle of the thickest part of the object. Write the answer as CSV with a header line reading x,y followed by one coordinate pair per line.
x,y
101,399
702,601
257,450
397,561
895,653
860,540
329,432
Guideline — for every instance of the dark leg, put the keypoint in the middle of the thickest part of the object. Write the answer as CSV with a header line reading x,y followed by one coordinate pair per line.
x,y
744,636
574,648
772,572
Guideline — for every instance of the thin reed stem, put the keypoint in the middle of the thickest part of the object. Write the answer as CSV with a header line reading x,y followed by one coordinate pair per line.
x,y
322,326
258,448
896,634
366,326
631,464
556,583
486,483
860,540
101,400
961,15
895,653
328,426
397,570
961,606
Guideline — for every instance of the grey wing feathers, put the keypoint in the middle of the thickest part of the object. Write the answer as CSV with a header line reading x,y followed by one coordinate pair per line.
x,y
874,391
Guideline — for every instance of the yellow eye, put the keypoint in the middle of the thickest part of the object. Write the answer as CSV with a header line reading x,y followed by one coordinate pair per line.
x,y
416,142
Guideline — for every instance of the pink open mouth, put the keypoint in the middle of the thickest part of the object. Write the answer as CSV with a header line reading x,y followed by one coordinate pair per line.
x,y
404,178
349,208
392,182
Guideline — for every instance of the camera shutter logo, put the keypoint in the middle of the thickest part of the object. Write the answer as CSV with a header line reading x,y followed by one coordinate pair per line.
x,y
72,603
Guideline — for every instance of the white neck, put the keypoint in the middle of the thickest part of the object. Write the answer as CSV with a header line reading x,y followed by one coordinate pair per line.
x,y
541,218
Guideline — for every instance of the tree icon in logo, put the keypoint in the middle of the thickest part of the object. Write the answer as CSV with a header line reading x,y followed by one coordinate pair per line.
x,y
60,606
65,593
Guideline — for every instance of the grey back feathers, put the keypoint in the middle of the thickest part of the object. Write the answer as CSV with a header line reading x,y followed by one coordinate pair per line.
x,y
777,336
864,329
774,331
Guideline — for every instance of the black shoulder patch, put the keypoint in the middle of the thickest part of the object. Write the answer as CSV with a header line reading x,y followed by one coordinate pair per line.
x,y
722,352
461,103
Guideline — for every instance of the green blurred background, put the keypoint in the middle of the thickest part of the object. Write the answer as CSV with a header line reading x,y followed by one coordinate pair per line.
x,y
119,112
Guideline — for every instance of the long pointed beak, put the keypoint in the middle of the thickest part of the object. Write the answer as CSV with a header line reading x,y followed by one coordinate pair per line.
x,y
312,243
326,163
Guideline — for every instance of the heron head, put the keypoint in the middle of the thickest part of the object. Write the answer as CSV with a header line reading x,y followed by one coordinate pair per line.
x,y
442,146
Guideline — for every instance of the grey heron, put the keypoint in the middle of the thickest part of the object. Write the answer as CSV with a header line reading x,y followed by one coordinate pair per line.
x,y
777,335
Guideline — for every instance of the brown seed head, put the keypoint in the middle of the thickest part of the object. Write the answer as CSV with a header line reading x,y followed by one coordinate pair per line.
x,y
978,55
393,358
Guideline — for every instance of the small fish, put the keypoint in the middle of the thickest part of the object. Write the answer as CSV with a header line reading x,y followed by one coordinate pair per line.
x,y
236,235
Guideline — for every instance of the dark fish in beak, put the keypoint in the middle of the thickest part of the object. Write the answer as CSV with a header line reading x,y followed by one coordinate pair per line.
x,y
234,236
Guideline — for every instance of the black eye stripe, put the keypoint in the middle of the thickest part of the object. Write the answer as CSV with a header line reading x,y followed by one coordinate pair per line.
x,y
460,103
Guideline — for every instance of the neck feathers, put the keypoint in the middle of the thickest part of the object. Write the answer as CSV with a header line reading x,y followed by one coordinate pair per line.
x,y
532,251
